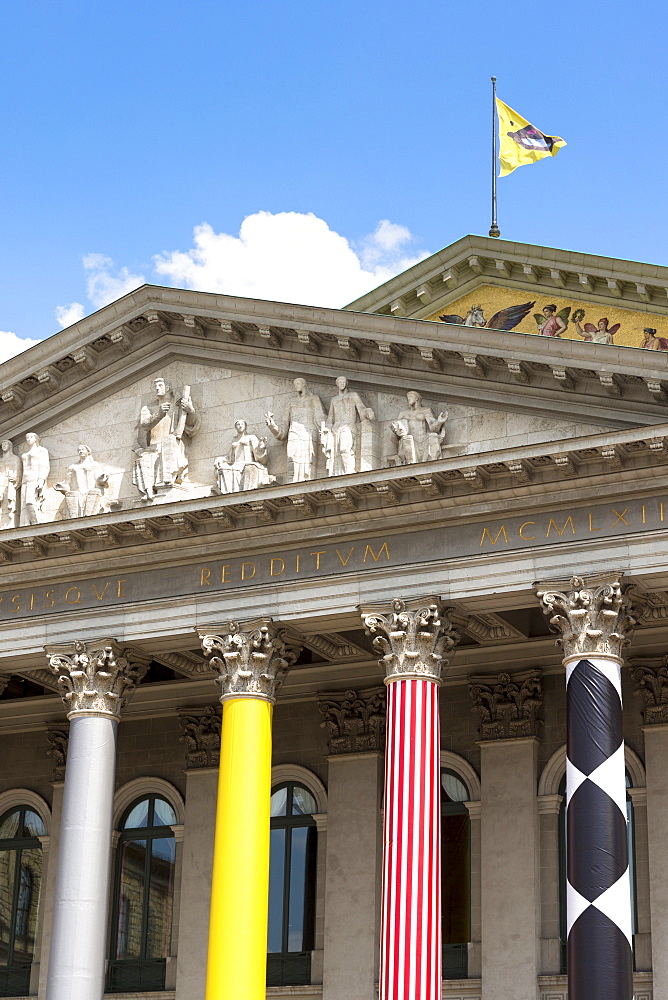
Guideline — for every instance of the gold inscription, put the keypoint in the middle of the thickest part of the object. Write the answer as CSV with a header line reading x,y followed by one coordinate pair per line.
x,y
317,557
205,577
297,564
52,602
553,523
486,534
344,562
104,590
276,559
120,590
369,552
77,599
224,578
244,574
620,517
527,538
16,600
591,525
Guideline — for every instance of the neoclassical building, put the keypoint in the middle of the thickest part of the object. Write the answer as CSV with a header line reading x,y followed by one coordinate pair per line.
x,y
380,520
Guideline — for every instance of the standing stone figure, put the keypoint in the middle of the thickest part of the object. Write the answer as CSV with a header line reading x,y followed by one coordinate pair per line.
x,y
244,467
10,478
36,468
338,436
87,482
303,421
421,434
160,456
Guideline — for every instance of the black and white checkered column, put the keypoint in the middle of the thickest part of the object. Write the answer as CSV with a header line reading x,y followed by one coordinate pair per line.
x,y
598,905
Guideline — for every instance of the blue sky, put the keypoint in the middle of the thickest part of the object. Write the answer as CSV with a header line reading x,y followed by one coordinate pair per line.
x,y
126,125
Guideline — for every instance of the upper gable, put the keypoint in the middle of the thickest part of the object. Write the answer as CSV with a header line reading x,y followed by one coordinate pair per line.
x,y
495,275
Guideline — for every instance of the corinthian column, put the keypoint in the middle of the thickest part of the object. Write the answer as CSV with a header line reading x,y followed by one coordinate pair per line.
x,y
96,679
593,620
412,638
252,660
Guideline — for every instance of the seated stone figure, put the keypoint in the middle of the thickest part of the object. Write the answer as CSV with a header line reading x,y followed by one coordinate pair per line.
x,y
84,492
244,467
419,432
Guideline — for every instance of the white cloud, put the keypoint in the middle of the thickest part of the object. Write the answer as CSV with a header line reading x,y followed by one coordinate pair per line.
x,y
67,315
11,344
103,285
289,256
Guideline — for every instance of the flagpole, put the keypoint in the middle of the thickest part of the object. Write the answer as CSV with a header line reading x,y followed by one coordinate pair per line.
x,y
494,229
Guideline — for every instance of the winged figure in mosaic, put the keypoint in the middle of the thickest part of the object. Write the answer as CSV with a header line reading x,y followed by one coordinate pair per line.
x,y
504,319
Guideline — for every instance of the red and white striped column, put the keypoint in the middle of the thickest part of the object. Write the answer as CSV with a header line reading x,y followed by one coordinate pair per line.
x,y
412,639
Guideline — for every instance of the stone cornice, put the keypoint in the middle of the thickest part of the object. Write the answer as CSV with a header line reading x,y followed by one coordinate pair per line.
x,y
536,468
478,259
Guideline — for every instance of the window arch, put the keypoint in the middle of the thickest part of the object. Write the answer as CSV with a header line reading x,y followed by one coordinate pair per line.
x,y
292,884
143,897
455,874
21,863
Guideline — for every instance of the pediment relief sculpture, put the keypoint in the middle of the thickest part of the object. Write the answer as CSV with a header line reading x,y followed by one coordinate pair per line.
x,y
344,451
165,426
10,480
87,483
244,467
302,424
36,468
418,432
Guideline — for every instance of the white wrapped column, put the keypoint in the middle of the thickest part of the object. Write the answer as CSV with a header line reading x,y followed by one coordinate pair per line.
x,y
96,680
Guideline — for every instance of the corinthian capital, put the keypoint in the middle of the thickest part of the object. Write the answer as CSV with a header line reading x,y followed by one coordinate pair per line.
x,y
252,659
96,678
412,638
594,618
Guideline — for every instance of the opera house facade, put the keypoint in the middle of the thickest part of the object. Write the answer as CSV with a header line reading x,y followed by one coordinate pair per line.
x,y
417,548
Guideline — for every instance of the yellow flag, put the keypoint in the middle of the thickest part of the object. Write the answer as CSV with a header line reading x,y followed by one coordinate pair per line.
x,y
521,142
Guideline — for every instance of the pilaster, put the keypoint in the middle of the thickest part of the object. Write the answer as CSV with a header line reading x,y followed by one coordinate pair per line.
x,y
201,735
356,725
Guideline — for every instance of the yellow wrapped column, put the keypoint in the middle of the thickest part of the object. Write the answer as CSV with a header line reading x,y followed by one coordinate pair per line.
x,y
251,661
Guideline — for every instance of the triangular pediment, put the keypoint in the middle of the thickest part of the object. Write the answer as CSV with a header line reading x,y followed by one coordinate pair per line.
x,y
90,385
486,282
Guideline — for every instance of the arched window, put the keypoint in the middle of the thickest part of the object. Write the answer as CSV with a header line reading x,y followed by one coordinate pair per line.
x,y
292,877
141,924
455,875
630,839
20,880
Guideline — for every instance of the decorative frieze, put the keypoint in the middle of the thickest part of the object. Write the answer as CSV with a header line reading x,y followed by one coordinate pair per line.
x,y
592,619
96,678
201,735
354,720
252,659
509,706
651,677
413,638
58,737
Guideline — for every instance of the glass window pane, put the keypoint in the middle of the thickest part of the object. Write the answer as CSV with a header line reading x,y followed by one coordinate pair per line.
x,y
279,802
25,924
9,828
455,878
161,898
163,814
298,886
276,891
7,873
303,803
131,899
138,816
454,787
33,825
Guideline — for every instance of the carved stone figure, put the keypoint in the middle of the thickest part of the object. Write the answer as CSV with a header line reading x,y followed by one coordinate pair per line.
x,y
163,429
338,435
84,493
36,468
303,421
419,432
10,479
244,467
